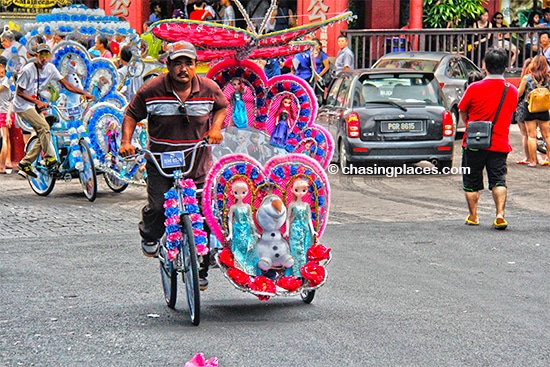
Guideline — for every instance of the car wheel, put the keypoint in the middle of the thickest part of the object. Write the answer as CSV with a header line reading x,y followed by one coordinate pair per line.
x,y
445,164
344,164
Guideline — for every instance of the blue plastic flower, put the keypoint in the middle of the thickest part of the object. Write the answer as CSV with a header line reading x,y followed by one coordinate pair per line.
x,y
318,184
320,138
227,174
241,168
279,172
254,173
170,194
293,170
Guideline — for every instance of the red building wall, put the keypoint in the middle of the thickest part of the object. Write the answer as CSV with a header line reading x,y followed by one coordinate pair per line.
x,y
134,11
381,14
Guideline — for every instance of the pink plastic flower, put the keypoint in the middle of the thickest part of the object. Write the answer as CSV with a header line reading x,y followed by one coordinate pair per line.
x,y
172,220
202,249
174,236
172,254
199,361
194,217
170,203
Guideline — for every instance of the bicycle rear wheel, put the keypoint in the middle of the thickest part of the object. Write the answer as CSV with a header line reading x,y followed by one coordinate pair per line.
x,y
307,296
45,182
87,175
190,273
169,277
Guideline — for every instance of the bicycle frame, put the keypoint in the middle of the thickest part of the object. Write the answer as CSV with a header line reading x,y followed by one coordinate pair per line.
x,y
178,253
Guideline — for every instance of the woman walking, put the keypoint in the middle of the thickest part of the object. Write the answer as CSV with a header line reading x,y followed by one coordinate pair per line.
x,y
537,76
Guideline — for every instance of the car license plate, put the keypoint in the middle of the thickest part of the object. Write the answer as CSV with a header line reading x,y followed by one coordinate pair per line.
x,y
400,126
172,159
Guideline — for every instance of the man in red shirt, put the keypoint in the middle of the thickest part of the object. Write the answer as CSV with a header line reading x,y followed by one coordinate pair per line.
x,y
480,103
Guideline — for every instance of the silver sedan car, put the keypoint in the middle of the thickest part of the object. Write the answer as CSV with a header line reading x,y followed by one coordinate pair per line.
x,y
450,69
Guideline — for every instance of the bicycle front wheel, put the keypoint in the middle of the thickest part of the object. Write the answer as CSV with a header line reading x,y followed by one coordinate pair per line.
x,y
44,183
114,183
190,270
87,175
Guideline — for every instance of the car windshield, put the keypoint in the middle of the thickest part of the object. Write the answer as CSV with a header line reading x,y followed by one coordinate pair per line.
x,y
396,87
415,64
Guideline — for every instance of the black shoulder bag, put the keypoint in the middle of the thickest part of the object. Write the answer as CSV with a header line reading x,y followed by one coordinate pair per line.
x,y
479,133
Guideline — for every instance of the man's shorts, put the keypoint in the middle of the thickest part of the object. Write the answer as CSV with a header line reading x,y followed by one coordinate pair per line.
x,y
476,161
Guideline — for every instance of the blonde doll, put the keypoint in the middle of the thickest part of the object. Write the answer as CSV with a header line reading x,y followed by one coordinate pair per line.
x,y
242,230
299,225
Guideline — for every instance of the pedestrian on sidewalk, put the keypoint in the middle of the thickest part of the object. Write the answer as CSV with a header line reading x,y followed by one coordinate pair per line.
x,y
480,103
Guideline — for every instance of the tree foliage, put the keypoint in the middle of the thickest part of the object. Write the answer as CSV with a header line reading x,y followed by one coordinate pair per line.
x,y
440,13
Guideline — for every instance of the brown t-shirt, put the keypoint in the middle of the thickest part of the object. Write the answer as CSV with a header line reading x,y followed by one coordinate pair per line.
x,y
169,128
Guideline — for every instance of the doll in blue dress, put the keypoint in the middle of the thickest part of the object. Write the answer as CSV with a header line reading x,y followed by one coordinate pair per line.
x,y
242,230
238,115
299,225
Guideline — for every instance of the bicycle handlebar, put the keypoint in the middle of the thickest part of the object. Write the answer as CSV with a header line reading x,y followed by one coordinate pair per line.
x,y
62,111
141,151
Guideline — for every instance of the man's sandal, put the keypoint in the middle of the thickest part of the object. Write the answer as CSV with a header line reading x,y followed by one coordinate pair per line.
x,y
500,223
470,222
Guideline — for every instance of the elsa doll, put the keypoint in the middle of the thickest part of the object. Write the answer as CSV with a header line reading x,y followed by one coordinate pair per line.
x,y
242,230
299,225
240,119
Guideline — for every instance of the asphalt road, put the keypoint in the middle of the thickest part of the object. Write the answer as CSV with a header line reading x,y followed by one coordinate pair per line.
x,y
409,284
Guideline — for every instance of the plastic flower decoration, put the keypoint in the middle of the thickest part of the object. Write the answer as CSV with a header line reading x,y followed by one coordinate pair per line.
x,y
226,257
314,273
199,361
192,207
289,283
239,276
318,253
263,285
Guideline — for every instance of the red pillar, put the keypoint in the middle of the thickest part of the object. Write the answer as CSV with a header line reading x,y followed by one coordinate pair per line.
x,y
415,20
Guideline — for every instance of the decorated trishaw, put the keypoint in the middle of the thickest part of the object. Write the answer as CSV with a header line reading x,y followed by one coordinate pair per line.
x,y
266,198
100,122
